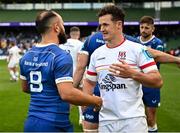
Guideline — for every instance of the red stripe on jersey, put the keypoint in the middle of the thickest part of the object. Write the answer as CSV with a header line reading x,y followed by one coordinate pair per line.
x,y
147,65
91,73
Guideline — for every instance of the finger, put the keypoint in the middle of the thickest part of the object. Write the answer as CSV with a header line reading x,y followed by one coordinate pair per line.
x,y
96,109
112,70
122,61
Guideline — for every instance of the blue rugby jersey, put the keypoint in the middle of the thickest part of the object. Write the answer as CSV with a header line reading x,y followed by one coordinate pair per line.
x,y
92,43
43,67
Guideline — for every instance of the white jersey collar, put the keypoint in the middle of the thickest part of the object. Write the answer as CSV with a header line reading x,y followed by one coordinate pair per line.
x,y
143,42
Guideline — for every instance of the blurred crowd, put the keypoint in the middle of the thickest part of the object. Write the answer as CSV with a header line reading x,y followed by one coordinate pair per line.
x,y
25,38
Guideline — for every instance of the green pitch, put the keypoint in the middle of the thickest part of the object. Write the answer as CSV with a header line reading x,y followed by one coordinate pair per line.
x,y
14,103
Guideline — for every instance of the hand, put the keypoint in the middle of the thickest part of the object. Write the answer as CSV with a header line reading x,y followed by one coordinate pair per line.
x,y
121,69
83,108
97,109
99,104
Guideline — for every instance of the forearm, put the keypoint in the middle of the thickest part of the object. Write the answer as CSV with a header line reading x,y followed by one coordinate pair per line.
x,y
167,58
80,69
163,57
75,96
88,86
78,76
79,98
152,79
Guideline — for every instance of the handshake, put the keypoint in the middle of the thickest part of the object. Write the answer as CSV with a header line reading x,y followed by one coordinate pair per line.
x,y
97,106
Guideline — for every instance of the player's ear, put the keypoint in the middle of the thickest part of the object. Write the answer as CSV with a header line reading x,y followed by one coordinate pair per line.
x,y
119,24
56,28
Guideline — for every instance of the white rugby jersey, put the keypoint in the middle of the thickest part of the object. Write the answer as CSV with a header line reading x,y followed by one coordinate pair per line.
x,y
122,98
73,46
14,53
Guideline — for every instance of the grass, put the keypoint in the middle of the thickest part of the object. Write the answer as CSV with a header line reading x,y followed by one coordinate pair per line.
x,y
14,103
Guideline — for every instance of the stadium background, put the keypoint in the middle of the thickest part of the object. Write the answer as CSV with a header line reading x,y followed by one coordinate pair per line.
x,y
17,24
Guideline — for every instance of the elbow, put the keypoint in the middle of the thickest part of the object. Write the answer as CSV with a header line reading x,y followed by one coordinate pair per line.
x,y
158,83
66,98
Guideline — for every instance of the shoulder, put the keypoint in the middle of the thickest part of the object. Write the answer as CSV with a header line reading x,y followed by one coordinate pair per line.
x,y
100,50
133,44
158,41
131,38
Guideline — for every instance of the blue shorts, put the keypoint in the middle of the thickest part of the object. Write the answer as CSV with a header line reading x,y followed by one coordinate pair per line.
x,y
151,97
34,124
89,114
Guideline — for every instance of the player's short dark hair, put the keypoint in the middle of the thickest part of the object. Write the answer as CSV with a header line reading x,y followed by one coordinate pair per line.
x,y
43,21
116,12
74,28
146,19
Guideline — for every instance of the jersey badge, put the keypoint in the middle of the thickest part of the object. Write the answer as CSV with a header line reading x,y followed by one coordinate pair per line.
x,y
122,55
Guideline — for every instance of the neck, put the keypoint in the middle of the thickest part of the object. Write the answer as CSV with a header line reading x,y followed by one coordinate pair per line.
x,y
116,41
46,39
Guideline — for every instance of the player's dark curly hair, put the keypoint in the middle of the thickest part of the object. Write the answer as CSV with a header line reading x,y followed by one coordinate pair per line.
x,y
116,12
146,19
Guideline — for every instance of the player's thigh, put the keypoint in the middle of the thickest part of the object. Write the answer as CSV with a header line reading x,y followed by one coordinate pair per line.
x,y
12,64
90,115
151,97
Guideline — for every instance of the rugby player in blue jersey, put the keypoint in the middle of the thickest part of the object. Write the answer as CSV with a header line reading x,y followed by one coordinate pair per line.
x,y
151,97
46,73
91,120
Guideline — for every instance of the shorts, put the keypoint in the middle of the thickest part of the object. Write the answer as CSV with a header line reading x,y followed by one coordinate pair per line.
x,y
12,64
131,125
151,97
34,124
89,114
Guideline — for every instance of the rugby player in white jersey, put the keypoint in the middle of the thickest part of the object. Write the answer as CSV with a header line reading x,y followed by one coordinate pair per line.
x,y
73,46
123,108
13,60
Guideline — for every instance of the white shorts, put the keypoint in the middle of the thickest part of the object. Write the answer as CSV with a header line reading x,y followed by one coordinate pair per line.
x,y
12,64
132,125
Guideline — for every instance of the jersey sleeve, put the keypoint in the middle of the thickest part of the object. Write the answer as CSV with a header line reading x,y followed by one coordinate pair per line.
x,y
146,61
91,72
85,46
160,46
63,69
